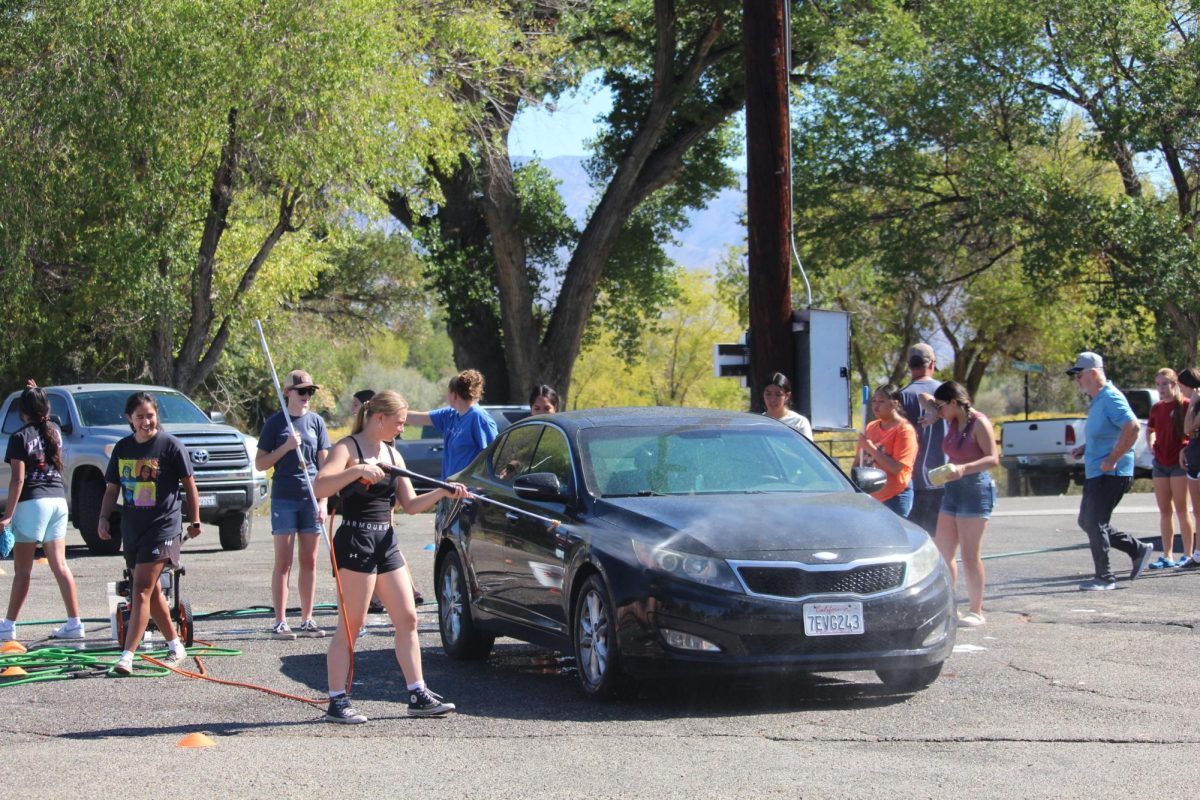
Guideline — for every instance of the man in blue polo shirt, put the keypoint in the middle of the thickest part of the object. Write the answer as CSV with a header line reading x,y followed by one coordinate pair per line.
x,y
1110,434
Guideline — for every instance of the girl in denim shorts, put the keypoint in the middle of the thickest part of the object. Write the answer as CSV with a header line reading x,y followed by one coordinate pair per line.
x,y
1189,457
1166,436
970,493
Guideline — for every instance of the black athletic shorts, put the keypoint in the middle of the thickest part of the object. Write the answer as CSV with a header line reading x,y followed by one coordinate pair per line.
x,y
145,550
367,547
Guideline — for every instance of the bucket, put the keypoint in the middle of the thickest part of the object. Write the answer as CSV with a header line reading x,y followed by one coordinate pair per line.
x,y
114,601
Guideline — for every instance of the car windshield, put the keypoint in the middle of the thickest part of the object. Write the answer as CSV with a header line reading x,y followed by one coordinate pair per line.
x,y
108,408
645,461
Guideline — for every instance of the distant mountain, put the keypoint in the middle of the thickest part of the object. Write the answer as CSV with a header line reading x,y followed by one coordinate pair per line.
x,y
710,231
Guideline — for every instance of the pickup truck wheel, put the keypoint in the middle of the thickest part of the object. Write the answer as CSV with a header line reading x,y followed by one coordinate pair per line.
x,y
1049,484
234,530
87,516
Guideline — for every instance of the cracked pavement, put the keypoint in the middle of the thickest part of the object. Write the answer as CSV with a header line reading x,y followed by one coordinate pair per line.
x,y
1060,694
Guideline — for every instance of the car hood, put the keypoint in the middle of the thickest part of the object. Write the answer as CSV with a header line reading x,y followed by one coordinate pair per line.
x,y
767,527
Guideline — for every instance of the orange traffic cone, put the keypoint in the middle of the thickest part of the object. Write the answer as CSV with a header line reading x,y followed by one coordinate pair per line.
x,y
196,740
42,560
13,672
13,646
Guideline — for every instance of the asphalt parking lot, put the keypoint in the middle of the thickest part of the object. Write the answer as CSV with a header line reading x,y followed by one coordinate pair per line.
x,y
1060,694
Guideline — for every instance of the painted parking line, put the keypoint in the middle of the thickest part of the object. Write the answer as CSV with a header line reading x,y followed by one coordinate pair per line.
x,y
1071,512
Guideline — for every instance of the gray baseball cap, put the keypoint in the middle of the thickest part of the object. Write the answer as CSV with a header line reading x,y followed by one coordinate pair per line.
x,y
1085,360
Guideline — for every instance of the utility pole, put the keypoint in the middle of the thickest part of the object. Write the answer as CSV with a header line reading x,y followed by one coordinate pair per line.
x,y
768,200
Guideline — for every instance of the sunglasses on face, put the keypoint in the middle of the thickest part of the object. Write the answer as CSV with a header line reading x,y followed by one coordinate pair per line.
x,y
306,392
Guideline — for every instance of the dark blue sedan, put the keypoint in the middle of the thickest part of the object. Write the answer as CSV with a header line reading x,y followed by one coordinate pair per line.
x,y
689,541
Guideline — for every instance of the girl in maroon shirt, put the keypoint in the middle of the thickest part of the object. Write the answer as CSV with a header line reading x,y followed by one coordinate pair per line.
x,y
1167,438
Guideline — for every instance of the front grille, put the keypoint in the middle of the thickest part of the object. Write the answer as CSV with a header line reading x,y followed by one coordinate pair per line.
x,y
826,645
798,582
223,451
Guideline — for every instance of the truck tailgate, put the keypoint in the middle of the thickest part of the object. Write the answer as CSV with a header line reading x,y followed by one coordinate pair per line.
x,y
1041,436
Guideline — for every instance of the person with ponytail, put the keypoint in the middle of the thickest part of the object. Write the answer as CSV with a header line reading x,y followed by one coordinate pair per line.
x,y
37,512
970,493
1165,433
366,552
466,428
1189,458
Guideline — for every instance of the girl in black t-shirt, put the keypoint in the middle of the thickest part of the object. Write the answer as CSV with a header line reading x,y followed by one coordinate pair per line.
x,y
37,511
146,469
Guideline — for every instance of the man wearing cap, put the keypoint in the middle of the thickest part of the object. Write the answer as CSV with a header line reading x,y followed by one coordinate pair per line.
x,y
293,515
927,498
1110,434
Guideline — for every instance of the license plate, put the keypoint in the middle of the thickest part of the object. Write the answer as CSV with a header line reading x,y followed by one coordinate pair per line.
x,y
208,501
833,619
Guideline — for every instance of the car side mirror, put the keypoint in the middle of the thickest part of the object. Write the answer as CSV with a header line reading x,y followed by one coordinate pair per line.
x,y
540,486
57,421
869,479
217,417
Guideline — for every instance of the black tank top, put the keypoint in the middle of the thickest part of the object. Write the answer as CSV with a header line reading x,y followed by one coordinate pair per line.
x,y
369,503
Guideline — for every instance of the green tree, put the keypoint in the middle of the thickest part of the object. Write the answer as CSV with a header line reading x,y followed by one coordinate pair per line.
x,y
163,159
674,71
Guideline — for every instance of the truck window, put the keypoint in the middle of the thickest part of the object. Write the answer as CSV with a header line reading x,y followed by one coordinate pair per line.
x,y
108,408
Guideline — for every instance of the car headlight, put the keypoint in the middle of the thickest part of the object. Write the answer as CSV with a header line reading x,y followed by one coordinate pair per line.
x,y
686,566
922,562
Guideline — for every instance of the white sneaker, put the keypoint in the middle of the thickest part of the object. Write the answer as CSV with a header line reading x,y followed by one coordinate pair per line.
x,y
124,666
280,630
8,631
309,628
69,631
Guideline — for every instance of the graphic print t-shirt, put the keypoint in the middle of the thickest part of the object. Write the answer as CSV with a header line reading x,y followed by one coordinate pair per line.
x,y
41,478
149,474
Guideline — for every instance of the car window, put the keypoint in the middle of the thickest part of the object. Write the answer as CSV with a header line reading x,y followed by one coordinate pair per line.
x,y
515,454
553,454
689,460
108,408
13,422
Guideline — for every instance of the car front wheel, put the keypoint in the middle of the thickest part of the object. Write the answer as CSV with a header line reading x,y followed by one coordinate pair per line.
x,y
910,680
597,653
461,639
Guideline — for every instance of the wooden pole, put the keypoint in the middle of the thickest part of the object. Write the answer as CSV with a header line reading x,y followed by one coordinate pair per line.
x,y
768,201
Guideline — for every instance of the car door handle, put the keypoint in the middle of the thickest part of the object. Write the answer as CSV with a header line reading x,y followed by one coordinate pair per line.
x,y
512,516
435,449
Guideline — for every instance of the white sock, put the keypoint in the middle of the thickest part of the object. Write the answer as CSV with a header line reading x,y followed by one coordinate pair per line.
x,y
127,655
9,622
337,694
73,622
416,687
176,646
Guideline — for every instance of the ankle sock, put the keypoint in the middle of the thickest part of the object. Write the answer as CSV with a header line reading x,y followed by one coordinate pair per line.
x,y
127,655
416,687
73,622
337,694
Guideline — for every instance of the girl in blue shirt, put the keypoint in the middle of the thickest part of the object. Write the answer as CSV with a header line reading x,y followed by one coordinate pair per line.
x,y
466,428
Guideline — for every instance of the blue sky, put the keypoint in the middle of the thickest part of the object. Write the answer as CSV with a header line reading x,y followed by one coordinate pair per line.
x,y
544,133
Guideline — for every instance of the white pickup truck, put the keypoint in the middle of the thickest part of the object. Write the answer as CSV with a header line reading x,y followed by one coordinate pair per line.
x,y
1040,450
92,419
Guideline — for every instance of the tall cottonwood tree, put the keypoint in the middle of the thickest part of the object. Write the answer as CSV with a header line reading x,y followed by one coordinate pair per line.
x,y
675,74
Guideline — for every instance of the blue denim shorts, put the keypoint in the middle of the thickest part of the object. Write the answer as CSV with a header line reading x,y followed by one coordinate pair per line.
x,y
970,496
293,516
1159,471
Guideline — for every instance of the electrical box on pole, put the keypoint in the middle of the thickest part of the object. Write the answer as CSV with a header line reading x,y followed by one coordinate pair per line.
x,y
821,390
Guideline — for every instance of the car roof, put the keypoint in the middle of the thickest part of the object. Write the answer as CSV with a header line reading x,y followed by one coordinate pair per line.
x,y
654,416
108,387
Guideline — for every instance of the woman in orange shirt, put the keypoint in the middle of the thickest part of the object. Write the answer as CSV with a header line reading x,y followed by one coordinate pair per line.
x,y
890,443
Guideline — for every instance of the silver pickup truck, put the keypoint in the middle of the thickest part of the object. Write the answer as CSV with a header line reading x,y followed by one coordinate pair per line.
x,y
1040,450
92,418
